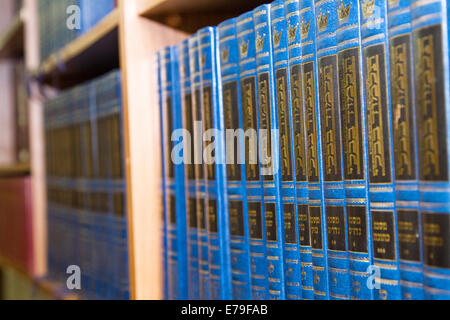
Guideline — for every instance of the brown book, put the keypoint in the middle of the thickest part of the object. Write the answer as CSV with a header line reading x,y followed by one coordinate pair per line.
x,y
7,136
21,114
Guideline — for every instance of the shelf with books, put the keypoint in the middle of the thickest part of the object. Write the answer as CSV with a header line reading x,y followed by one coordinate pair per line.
x,y
11,41
89,55
15,170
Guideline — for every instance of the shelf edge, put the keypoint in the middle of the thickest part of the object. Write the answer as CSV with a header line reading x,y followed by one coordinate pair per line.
x,y
15,170
15,27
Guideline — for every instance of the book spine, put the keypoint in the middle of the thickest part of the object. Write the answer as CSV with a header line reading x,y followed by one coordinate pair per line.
x,y
432,88
298,123
180,198
336,214
380,147
288,188
353,127
159,57
405,149
297,225
200,186
121,276
191,197
177,283
249,105
92,199
268,119
236,189
102,211
317,217
98,156
217,207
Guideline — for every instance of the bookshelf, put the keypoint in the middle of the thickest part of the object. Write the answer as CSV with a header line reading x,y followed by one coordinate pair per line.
x,y
127,38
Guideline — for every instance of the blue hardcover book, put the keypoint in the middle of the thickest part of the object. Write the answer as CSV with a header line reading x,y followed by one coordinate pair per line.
x,y
330,110
236,174
200,185
110,98
292,272
191,198
298,125
218,224
51,145
432,88
354,147
93,202
104,215
119,198
175,179
317,214
94,11
102,212
380,147
82,94
159,57
405,149
253,216
270,154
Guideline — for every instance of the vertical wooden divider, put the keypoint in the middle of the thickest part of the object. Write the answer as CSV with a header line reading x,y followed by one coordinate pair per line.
x,y
139,40
37,142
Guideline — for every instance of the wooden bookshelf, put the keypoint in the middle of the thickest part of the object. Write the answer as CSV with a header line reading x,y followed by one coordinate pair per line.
x,y
127,38
11,41
140,38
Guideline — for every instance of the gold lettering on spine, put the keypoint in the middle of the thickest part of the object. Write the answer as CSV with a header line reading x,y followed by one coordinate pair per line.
x,y
296,89
208,124
327,100
351,116
311,128
252,169
375,117
284,131
228,107
265,119
427,96
401,108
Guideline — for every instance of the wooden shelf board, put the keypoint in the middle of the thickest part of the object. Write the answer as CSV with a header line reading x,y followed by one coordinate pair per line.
x,y
152,8
11,41
88,56
189,16
16,170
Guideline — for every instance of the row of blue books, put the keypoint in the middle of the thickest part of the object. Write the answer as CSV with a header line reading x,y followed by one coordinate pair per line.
x,y
62,21
349,196
87,223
